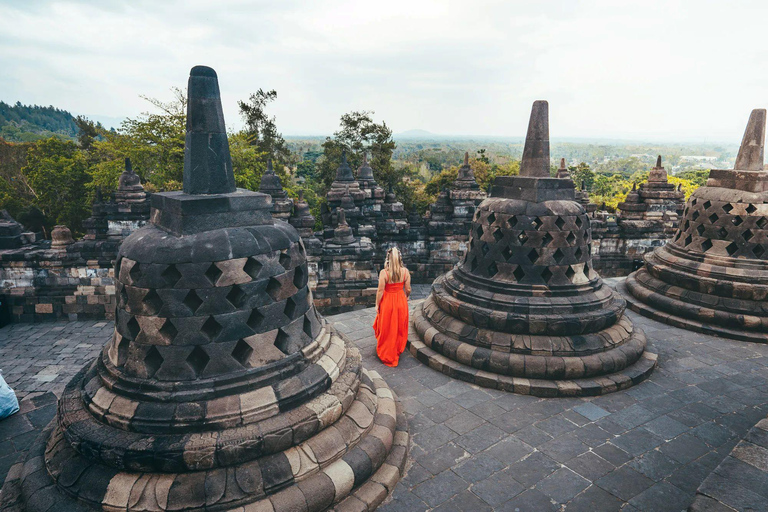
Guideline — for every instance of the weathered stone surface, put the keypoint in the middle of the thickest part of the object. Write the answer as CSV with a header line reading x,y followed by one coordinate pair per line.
x,y
713,275
524,311
222,388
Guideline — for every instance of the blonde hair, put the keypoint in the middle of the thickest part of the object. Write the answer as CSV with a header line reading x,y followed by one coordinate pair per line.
x,y
394,265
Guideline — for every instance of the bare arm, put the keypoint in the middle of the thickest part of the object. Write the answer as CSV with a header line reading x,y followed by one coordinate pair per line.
x,y
380,290
407,285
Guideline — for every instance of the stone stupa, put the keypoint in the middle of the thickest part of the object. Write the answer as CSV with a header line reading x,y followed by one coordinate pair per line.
x,y
712,276
222,388
524,311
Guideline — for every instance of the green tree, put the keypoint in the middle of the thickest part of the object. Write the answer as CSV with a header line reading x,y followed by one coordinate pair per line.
x,y
262,129
56,172
360,134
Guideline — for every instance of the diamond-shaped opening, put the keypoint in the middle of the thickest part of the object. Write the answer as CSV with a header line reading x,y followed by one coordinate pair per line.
x,y
686,225
171,275
558,256
688,240
242,352
519,273
168,331
285,259
298,277
762,223
578,222
497,234
118,266
307,326
731,248
491,218
747,235
533,255
713,218
492,269
290,308
537,222
706,205
560,223
198,360
152,301
569,273
213,273
512,221
571,238
706,245
237,296
546,239
737,220
252,267
211,328
758,250
273,287
546,274
506,253
282,340
577,253
135,272
722,233
133,328
751,209
473,264
479,231
695,216
192,301
255,319
727,208
152,361
484,248
693,202
122,351
700,229
522,238
123,296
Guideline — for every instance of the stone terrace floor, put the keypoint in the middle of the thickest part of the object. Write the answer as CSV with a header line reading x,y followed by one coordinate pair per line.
x,y
647,448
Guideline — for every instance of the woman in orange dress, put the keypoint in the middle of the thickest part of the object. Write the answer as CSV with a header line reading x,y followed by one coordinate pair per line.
x,y
391,324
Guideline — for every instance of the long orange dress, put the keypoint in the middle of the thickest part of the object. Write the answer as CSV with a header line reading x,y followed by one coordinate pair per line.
x,y
391,324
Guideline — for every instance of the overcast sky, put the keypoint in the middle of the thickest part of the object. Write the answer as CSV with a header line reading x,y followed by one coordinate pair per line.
x,y
650,70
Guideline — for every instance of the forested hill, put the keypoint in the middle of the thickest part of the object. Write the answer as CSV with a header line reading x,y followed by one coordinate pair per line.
x,y
26,123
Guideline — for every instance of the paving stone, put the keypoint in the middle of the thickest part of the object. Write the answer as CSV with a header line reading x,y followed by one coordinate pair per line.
x,y
624,483
556,425
590,465
480,438
533,468
530,500
434,437
533,436
440,488
594,499
498,488
563,485
665,427
477,469
660,497
508,451
437,461
637,441
464,422
591,411
684,448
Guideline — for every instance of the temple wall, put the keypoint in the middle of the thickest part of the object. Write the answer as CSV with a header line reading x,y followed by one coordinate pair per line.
x,y
618,257
46,285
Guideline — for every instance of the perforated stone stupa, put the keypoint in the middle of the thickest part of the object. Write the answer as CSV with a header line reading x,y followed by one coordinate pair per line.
x,y
222,388
712,276
524,311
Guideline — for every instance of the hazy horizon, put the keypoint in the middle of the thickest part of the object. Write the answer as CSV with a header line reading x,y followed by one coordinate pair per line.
x,y
665,72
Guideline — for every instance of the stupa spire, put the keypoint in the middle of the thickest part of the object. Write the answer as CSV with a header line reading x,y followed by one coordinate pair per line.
x,y
207,163
466,158
750,157
658,162
535,162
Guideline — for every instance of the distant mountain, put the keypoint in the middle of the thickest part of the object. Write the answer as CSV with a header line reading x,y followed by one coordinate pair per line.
x,y
25,123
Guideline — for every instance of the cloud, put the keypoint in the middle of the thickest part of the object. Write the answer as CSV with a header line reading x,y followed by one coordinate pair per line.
x,y
661,70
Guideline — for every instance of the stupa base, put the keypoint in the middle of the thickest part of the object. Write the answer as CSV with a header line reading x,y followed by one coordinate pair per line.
x,y
589,386
631,290
357,477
